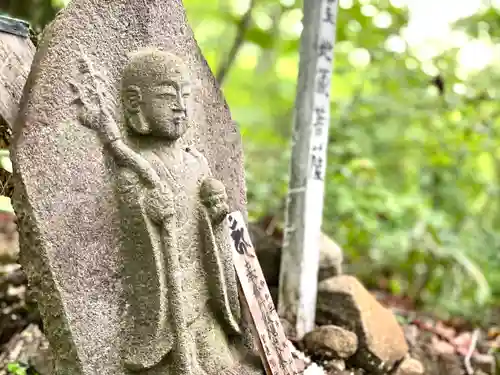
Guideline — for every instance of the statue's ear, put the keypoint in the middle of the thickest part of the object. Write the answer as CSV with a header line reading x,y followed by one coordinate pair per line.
x,y
132,99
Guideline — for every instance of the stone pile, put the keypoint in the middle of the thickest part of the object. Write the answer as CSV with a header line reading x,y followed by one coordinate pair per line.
x,y
356,332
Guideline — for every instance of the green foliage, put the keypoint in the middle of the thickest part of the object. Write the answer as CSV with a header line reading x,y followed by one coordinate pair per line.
x,y
37,12
412,174
17,368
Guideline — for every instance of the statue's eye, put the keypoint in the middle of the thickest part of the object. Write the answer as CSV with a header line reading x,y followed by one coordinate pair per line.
x,y
186,91
166,92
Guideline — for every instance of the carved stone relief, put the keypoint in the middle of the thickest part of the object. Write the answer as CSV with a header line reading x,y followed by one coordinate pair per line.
x,y
182,307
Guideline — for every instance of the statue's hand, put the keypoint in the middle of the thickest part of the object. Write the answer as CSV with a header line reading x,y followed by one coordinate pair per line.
x,y
93,111
214,198
159,203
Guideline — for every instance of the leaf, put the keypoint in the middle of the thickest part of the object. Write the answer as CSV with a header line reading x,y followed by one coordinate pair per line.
x,y
16,368
6,204
6,163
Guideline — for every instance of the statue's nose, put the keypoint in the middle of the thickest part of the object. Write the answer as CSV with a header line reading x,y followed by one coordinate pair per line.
x,y
181,102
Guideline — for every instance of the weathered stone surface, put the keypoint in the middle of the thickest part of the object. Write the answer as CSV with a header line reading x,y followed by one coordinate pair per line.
x,y
73,191
345,302
331,342
410,366
178,272
269,254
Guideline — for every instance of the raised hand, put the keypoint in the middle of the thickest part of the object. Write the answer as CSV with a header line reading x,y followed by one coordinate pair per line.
x,y
95,112
88,113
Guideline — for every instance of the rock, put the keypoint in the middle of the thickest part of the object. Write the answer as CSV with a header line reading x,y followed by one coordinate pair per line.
x,y
344,301
17,311
269,253
434,362
351,372
29,346
330,258
314,369
331,342
334,365
410,366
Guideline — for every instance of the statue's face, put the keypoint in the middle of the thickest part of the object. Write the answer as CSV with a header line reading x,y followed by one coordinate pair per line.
x,y
155,89
164,107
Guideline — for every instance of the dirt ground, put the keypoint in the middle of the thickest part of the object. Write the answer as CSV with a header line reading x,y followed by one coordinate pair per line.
x,y
451,347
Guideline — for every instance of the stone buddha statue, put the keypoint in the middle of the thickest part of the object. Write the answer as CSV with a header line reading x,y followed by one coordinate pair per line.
x,y
183,314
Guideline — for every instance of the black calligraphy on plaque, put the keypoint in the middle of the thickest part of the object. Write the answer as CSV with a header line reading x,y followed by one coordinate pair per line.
x,y
272,363
238,236
256,292
266,348
288,364
283,363
280,349
270,305
324,49
323,80
270,308
319,122
251,273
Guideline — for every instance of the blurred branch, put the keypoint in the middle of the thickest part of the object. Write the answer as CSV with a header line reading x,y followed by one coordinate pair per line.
x,y
37,13
243,26
267,57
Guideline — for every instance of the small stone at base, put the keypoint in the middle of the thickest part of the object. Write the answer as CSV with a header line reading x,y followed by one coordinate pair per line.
x,y
410,366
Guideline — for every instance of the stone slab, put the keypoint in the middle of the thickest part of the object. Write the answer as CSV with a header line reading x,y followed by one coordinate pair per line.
x,y
68,219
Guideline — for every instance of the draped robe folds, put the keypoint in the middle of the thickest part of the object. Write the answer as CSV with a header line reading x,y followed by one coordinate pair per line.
x,y
209,290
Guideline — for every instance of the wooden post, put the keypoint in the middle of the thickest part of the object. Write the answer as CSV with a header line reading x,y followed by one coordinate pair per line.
x,y
300,254
274,347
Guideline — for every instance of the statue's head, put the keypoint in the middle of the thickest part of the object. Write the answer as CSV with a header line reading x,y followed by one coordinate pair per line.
x,y
155,86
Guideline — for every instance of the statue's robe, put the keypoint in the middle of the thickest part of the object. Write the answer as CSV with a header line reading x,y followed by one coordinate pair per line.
x,y
209,301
